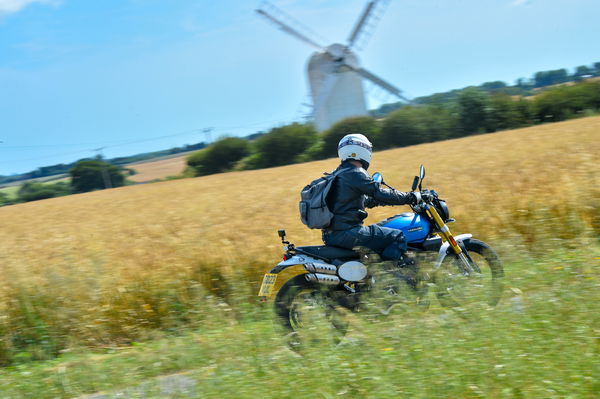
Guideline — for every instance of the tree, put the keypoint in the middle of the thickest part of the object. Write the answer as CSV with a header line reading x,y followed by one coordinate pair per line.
x,y
582,72
219,157
524,109
89,175
493,86
4,199
358,125
502,113
553,105
589,92
472,105
281,146
32,191
548,78
524,83
414,125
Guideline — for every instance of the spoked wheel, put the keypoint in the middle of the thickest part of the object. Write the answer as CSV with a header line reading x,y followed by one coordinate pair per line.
x,y
480,286
392,287
310,312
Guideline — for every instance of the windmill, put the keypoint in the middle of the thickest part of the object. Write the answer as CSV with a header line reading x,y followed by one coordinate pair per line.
x,y
334,73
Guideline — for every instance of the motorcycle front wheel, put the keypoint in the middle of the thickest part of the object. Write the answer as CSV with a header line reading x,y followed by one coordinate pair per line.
x,y
311,312
484,286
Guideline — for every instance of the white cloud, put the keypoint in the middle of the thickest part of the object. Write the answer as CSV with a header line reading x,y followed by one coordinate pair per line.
x,y
12,6
518,3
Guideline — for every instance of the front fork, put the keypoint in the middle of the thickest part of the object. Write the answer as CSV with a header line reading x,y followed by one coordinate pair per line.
x,y
467,265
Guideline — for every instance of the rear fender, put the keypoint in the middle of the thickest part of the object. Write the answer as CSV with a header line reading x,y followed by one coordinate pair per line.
x,y
445,249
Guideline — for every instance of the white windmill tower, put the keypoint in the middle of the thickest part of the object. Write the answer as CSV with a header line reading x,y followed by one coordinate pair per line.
x,y
334,72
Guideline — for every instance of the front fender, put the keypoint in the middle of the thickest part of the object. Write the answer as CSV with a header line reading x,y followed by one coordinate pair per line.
x,y
445,248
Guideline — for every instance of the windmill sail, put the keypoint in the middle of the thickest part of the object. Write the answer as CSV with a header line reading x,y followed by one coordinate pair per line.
x,y
334,72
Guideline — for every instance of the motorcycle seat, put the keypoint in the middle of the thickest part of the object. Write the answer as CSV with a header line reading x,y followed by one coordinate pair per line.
x,y
328,252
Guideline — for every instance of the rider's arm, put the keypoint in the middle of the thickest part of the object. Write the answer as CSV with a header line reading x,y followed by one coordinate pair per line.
x,y
364,184
370,202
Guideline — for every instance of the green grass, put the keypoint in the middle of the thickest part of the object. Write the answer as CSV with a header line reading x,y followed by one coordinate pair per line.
x,y
542,341
11,191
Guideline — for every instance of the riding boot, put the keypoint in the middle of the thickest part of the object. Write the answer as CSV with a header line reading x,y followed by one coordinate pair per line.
x,y
408,269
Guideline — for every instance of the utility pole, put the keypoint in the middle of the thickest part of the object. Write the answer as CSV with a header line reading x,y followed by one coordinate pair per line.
x,y
208,134
105,175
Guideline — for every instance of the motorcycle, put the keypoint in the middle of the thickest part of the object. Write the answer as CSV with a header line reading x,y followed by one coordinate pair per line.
x,y
462,269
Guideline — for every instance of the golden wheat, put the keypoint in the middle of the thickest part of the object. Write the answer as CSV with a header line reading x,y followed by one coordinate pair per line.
x,y
149,171
104,266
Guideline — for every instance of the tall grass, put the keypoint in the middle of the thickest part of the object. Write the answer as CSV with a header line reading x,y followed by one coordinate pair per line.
x,y
540,342
112,267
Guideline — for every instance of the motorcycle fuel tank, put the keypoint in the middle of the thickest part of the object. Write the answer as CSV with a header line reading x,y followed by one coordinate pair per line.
x,y
414,226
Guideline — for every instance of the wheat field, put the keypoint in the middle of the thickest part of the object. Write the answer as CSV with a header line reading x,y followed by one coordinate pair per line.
x,y
108,267
154,170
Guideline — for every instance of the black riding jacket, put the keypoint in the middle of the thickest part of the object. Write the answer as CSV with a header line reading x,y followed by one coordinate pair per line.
x,y
352,190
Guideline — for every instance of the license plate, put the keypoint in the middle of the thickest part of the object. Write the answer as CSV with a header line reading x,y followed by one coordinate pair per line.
x,y
266,289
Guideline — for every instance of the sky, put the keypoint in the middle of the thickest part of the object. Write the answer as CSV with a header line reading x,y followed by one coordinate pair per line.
x,y
121,77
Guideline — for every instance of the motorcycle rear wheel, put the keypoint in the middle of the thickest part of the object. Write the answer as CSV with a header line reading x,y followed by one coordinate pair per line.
x,y
455,290
311,312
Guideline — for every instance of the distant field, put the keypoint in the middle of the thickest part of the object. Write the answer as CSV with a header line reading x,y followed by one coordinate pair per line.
x,y
13,188
47,179
10,190
160,169
146,172
106,267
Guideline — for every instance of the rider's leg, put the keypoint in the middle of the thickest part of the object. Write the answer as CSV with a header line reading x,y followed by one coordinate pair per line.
x,y
390,243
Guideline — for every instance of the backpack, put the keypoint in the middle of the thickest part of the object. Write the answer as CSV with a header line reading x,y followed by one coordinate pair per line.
x,y
314,211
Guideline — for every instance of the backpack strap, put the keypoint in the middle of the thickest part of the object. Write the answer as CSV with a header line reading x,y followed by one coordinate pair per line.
x,y
334,173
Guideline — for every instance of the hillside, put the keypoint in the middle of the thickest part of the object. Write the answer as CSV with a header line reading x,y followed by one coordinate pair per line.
x,y
174,222
157,169
117,266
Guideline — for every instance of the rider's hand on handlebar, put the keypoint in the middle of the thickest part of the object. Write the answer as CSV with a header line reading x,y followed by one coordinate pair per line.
x,y
427,196
415,198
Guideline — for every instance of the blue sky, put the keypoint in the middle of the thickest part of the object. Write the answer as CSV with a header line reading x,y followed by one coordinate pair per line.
x,y
143,75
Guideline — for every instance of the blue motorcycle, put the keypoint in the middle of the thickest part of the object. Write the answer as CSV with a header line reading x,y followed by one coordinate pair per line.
x,y
461,269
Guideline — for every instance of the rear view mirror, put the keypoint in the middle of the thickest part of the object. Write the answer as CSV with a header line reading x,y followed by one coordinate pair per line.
x,y
378,177
415,183
422,172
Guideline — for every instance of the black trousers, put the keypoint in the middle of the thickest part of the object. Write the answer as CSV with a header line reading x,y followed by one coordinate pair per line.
x,y
390,243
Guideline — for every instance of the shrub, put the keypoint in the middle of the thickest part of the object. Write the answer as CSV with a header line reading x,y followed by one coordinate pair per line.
x,y
221,156
415,125
502,113
31,191
472,106
281,146
5,199
92,175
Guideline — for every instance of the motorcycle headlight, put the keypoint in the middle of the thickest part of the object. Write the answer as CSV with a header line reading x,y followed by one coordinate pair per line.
x,y
443,210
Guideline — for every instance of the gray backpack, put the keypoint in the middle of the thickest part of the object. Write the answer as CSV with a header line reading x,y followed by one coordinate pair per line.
x,y
314,212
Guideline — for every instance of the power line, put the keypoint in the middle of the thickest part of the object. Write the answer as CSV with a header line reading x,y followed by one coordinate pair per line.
x,y
207,131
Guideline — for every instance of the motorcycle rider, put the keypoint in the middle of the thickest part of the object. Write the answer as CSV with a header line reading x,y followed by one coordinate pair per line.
x,y
352,190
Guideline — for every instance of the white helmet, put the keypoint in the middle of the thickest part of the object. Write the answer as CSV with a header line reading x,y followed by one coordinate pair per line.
x,y
355,146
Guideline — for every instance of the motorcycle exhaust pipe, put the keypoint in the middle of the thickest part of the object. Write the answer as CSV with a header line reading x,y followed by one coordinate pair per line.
x,y
327,279
324,268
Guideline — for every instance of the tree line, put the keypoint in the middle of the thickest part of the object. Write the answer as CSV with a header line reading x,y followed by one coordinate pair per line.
x,y
85,175
522,87
470,111
62,168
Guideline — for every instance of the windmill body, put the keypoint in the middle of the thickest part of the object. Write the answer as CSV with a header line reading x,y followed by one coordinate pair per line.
x,y
336,90
334,73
